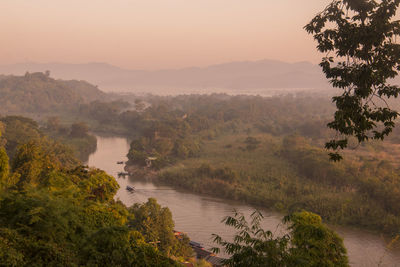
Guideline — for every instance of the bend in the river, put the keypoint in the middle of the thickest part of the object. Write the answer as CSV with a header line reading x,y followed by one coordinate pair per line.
x,y
199,216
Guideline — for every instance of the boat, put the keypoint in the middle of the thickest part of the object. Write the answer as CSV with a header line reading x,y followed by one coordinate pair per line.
x,y
120,162
195,244
123,174
130,188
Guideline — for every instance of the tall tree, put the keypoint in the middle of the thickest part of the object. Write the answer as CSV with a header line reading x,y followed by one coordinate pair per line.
x,y
155,223
362,55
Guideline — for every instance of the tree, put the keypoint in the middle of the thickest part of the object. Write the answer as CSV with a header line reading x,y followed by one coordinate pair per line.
x,y
139,105
19,130
313,243
308,243
155,223
117,246
97,184
362,36
37,158
4,168
79,130
53,123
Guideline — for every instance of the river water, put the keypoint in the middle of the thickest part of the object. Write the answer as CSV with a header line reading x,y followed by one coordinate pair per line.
x,y
199,216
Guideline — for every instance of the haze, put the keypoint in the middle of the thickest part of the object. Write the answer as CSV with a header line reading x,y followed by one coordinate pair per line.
x,y
156,34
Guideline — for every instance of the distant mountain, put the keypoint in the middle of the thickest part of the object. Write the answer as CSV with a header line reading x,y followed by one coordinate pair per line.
x,y
238,76
39,93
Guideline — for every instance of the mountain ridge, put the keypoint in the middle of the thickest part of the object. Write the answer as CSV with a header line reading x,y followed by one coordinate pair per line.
x,y
235,75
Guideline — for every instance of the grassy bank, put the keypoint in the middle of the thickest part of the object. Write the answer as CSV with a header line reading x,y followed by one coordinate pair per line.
x,y
288,174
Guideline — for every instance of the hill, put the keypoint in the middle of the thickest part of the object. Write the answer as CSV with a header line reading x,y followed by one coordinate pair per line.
x,y
39,93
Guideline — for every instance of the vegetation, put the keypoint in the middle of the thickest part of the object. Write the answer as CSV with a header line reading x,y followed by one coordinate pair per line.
x,y
293,175
20,130
267,151
54,212
157,227
40,94
173,129
362,35
40,97
308,243
76,136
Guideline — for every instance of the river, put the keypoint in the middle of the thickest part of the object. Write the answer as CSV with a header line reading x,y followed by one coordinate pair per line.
x,y
199,216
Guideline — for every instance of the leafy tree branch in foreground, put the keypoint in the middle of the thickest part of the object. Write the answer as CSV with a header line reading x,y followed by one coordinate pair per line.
x,y
308,243
362,55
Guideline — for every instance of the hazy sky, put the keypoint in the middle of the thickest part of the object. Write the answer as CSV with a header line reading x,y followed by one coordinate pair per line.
x,y
154,34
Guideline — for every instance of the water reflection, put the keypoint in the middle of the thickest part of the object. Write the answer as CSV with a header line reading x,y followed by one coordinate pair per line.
x,y
200,216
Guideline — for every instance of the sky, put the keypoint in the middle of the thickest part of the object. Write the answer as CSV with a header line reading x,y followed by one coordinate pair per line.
x,y
156,34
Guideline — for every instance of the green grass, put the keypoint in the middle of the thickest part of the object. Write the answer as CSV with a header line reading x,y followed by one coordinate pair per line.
x,y
302,179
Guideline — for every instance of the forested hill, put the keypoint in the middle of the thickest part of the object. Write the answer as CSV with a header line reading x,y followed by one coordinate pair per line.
x,y
39,93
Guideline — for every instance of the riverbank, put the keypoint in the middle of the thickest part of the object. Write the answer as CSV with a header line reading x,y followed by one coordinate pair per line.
x,y
258,151
285,175
200,215
290,174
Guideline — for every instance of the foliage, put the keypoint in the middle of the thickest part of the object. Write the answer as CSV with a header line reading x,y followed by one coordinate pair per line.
x,y
362,36
4,168
313,243
173,129
284,167
79,130
120,246
308,243
54,212
156,225
19,130
35,159
39,93
251,143
292,175
104,112
76,136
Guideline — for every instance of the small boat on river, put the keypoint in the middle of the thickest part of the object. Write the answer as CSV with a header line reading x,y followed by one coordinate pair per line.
x,y
130,188
123,174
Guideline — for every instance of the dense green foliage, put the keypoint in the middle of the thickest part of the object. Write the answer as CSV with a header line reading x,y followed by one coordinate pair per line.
x,y
54,212
174,128
76,136
21,130
38,93
156,225
18,130
308,243
4,168
362,35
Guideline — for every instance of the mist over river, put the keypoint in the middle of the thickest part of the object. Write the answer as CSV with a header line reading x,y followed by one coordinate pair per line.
x,y
199,216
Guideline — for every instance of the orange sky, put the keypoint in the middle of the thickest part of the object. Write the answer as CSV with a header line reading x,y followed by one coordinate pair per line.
x,y
155,34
